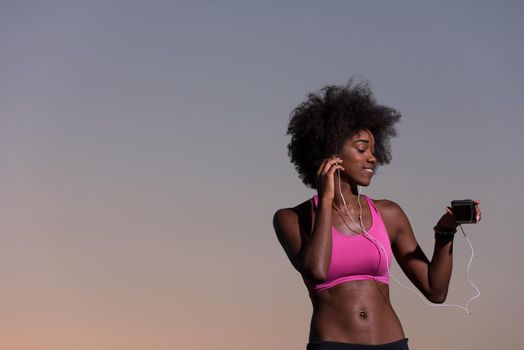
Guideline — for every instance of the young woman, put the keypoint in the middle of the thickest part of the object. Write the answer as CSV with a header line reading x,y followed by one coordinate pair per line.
x,y
341,242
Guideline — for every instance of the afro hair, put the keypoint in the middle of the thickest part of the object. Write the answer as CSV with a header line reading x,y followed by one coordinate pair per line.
x,y
320,125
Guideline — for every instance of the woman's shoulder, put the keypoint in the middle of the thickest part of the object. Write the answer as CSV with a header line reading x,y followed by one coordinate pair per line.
x,y
300,213
392,216
297,210
387,207
292,224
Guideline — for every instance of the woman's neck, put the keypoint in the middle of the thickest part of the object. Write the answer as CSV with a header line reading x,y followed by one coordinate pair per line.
x,y
350,193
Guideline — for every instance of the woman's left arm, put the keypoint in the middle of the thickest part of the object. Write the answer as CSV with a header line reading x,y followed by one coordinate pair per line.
x,y
430,277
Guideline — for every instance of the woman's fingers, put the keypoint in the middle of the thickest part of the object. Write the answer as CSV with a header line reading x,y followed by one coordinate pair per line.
x,y
327,163
321,166
334,168
477,210
325,179
324,168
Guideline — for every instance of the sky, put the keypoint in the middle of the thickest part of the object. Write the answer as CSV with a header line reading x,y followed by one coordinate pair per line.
x,y
143,155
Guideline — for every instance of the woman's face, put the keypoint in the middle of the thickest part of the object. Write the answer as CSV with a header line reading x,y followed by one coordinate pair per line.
x,y
358,157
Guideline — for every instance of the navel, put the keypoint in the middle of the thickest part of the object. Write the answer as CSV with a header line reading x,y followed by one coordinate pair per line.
x,y
362,314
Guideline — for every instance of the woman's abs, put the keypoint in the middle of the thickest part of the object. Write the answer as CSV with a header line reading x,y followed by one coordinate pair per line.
x,y
355,312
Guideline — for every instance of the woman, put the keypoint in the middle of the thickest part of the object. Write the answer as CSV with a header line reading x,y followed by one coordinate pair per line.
x,y
343,244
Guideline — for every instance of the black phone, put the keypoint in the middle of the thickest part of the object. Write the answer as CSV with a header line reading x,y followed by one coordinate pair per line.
x,y
464,211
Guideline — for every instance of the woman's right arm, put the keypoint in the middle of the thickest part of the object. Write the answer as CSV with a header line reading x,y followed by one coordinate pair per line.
x,y
310,257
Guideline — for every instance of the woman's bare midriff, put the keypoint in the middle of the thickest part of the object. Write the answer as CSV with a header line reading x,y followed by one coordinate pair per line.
x,y
355,312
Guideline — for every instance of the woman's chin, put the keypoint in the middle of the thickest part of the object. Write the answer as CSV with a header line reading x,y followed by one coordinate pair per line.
x,y
365,183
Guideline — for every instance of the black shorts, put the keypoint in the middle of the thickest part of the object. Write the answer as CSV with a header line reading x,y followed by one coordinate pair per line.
x,y
334,345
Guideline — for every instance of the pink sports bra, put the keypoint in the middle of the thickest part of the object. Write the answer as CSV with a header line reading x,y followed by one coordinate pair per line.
x,y
357,257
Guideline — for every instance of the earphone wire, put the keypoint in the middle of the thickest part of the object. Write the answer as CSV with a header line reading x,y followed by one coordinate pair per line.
x,y
374,241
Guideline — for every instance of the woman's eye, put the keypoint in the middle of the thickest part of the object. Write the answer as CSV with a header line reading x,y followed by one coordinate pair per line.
x,y
361,150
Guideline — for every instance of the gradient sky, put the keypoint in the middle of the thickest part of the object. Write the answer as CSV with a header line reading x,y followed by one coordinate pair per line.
x,y
143,155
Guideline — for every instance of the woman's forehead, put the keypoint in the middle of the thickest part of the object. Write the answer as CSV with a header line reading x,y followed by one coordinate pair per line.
x,y
363,136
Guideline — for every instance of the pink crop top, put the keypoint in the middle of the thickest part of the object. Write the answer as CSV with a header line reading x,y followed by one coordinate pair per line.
x,y
357,257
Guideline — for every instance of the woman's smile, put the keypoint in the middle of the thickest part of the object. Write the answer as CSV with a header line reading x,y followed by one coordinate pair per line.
x,y
369,171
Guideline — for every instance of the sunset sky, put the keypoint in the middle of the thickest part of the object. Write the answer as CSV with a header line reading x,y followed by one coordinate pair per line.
x,y
143,155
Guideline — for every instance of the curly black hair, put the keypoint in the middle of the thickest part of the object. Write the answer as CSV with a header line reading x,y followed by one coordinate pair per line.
x,y
320,125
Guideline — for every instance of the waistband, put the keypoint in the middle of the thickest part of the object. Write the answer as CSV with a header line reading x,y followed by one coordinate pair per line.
x,y
401,344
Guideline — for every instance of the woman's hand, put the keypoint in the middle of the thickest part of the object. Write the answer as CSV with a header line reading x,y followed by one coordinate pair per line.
x,y
447,221
325,178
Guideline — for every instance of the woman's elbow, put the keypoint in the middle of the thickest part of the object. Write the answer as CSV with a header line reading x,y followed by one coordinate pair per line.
x,y
437,298
314,269
315,275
